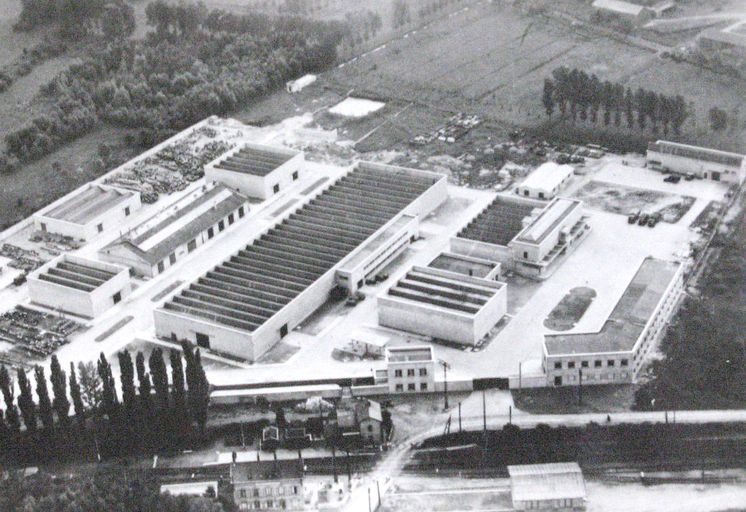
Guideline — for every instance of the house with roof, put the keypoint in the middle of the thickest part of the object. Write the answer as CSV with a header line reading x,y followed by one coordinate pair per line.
x,y
555,486
361,417
546,181
628,11
268,486
194,220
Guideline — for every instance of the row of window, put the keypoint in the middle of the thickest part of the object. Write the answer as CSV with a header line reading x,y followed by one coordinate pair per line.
x,y
256,492
598,363
192,245
411,372
412,387
264,505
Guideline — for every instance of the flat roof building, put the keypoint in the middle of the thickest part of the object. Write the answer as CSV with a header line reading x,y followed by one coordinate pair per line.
x,y
79,286
555,486
410,369
249,302
635,13
547,237
443,305
527,236
159,242
546,181
256,170
268,486
705,163
615,354
87,212
467,266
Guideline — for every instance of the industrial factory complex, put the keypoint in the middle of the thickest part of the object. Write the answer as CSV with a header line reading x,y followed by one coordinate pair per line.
x,y
305,277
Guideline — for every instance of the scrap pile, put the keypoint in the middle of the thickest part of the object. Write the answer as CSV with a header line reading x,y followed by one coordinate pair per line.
x,y
23,259
54,243
456,127
35,333
173,167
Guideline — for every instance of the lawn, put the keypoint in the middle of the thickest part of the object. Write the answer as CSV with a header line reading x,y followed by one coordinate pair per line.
x,y
564,400
570,309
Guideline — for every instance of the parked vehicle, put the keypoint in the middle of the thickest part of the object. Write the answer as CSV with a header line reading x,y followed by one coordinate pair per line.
x,y
673,178
643,219
633,216
689,176
654,219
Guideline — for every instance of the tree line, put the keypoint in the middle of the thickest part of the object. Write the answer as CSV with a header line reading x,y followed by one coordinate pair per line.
x,y
78,18
84,415
578,95
193,64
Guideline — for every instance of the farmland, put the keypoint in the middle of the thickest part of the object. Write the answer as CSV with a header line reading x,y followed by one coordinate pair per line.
x,y
493,59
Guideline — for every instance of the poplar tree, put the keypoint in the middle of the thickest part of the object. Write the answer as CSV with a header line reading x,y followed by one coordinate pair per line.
x,y
145,386
12,419
159,374
26,402
77,397
45,404
109,400
127,380
60,402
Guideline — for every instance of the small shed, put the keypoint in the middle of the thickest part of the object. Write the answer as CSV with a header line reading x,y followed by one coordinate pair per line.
x,y
556,486
368,343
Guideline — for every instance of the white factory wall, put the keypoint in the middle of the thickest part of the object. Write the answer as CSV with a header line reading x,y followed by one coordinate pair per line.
x,y
700,168
79,302
537,252
482,250
110,220
257,186
437,322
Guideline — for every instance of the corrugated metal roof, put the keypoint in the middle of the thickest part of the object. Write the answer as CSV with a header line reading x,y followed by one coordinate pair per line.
x,y
534,482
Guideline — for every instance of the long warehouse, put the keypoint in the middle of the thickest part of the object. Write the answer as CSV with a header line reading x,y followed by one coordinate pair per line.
x,y
249,302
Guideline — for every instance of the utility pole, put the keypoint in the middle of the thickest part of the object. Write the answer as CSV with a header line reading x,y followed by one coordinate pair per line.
x,y
445,366
459,417
334,464
484,412
580,386
520,376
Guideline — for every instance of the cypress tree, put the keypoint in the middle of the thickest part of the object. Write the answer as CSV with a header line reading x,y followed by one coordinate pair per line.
x,y
12,419
77,397
59,387
45,404
26,402
109,400
145,386
159,374
202,395
127,380
180,412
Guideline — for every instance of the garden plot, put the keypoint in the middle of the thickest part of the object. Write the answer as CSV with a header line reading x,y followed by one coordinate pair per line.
x,y
622,199
570,309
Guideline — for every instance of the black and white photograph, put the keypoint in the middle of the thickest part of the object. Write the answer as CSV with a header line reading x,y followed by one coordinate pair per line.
x,y
372,255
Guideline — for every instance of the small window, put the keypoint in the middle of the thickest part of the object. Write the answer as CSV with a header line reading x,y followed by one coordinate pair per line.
x,y
597,363
126,211
192,245
276,188
284,331
541,195
410,372
558,365
210,233
256,494
423,386
423,372
625,362
584,364
411,387
231,219
295,175
242,493
525,255
240,212
400,387
525,192
571,364
370,428
221,225
397,373
203,340
558,381
117,297
161,266
100,228
43,226
172,258
610,362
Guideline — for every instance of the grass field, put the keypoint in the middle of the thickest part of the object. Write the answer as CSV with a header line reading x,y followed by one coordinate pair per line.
x,y
493,59
570,309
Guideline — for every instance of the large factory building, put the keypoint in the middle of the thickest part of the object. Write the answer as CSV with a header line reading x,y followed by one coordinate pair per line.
x,y
245,305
